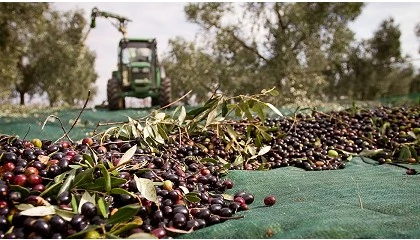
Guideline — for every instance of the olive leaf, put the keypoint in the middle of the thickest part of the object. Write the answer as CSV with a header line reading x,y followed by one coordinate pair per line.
x,y
39,211
210,118
83,177
369,153
124,214
66,184
264,150
103,207
125,227
405,153
192,197
182,115
89,160
66,215
146,188
24,206
274,109
128,155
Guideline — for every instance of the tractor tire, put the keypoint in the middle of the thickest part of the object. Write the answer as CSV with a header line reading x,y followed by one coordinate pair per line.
x,y
165,92
115,101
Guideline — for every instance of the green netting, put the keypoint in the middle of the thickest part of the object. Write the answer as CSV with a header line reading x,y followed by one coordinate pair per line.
x,y
361,201
52,130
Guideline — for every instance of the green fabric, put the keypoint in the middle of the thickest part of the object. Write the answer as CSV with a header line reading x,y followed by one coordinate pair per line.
x,y
52,130
325,204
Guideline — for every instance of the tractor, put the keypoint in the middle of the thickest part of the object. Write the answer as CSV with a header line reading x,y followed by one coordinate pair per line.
x,y
139,73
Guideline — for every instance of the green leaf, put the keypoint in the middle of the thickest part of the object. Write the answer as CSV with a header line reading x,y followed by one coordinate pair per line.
x,y
24,206
274,93
413,152
405,153
182,115
74,203
60,177
66,215
231,132
384,127
111,236
412,134
99,183
274,109
86,197
146,188
210,118
228,197
39,211
69,179
369,153
106,176
124,214
128,155
264,150
89,160
212,160
239,160
160,116
83,177
120,191
51,190
245,109
103,207
192,197
225,109
122,228
259,110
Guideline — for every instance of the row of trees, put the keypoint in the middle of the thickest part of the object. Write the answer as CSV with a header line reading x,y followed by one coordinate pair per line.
x,y
43,53
306,50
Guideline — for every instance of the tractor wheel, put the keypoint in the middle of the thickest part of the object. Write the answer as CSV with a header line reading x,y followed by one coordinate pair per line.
x,y
165,92
115,101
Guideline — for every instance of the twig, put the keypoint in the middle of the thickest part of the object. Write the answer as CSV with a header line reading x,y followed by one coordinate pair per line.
x,y
62,127
80,113
29,129
172,103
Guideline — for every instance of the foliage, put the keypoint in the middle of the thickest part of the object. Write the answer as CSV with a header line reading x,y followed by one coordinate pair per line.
x,y
44,53
258,45
376,67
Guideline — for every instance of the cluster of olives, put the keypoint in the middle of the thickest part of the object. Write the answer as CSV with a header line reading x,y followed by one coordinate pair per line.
x,y
34,164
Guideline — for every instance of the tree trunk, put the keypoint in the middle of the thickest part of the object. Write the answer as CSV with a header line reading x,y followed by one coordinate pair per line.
x,y
22,98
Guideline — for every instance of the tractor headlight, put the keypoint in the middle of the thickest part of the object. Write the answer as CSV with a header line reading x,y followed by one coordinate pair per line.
x,y
145,70
135,70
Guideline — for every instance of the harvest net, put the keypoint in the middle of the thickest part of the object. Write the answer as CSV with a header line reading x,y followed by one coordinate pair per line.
x,y
364,200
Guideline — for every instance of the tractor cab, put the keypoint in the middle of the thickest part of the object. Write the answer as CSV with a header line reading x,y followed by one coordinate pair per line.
x,y
137,61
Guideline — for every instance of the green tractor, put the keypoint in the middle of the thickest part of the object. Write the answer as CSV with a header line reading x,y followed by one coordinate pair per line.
x,y
139,73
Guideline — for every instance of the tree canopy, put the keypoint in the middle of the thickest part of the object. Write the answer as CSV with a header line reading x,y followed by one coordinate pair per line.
x,y
306,50
44,54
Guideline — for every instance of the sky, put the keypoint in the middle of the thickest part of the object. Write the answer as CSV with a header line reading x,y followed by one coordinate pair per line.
x,y
167,20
